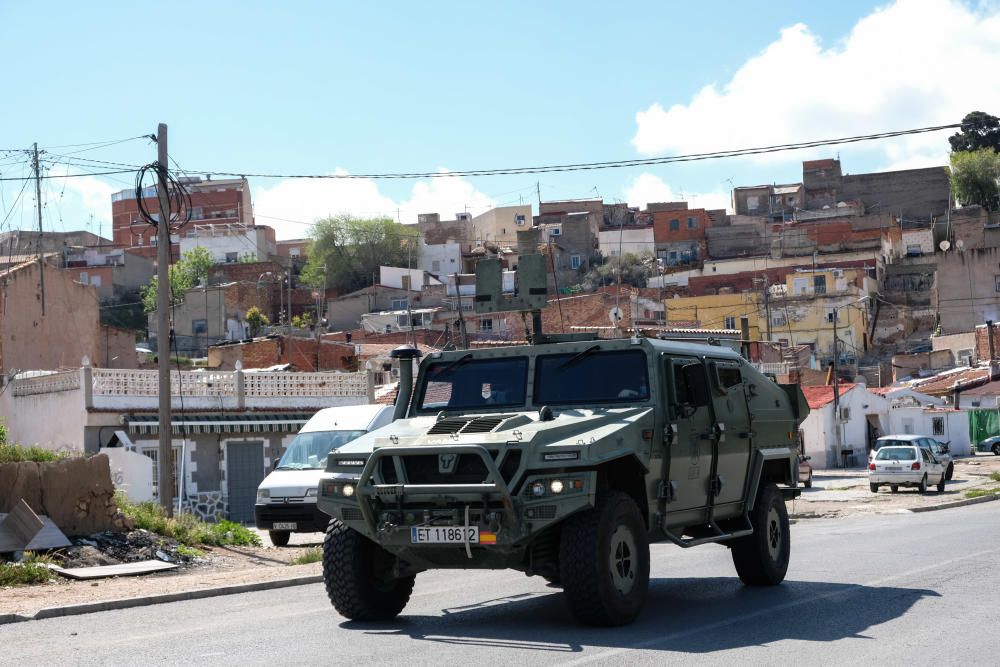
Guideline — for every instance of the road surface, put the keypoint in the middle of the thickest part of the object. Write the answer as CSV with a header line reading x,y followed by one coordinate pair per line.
x,y
905,589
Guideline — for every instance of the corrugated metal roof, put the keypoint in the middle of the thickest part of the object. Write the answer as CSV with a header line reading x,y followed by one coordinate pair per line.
x,y
221,423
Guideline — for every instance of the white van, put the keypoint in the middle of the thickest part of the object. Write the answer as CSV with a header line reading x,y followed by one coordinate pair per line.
x,y
286,499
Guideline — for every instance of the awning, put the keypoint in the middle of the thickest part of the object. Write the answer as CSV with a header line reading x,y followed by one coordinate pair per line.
x,y
220,423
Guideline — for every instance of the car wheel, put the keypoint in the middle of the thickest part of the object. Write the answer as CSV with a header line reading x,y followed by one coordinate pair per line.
x,y
894,488
874,487
279,538
950,472
604,561
358,576
923,485
809,482
996,448
761,559
940,485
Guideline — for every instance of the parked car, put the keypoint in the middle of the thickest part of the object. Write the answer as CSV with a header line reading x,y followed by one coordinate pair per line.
x,y
989,445
940,450
805,471
910,465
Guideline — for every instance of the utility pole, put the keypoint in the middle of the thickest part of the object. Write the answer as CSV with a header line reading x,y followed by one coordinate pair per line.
x,y
38,205
538,189
767,308
289,312
836,391
164,457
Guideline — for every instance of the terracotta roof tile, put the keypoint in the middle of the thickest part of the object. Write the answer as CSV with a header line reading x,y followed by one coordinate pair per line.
x,y
818,396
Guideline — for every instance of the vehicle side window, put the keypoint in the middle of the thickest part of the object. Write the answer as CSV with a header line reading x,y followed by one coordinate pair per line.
x,y
729,376
681,393
926,456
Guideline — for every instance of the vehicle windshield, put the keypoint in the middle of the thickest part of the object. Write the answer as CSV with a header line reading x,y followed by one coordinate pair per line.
x,y
879,444
308,450
467,383
896,454
591,376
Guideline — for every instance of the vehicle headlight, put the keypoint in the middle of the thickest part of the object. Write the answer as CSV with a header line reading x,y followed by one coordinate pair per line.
x,y
538,489
347,490
312,493
263,495
556,486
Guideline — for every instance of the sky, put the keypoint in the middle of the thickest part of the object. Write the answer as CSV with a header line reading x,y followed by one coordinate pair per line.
x,y
366,88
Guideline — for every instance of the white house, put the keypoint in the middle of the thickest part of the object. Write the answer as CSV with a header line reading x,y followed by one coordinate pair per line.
x,y
861,414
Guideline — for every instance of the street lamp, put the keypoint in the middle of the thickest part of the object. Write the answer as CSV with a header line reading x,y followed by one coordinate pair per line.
x,y
838,438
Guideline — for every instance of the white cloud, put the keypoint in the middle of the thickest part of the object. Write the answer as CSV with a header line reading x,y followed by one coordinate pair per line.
x,y
308,200
911,64
646,188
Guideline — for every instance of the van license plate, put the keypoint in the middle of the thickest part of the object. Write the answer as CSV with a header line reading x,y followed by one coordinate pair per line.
x,y
444,535
284,525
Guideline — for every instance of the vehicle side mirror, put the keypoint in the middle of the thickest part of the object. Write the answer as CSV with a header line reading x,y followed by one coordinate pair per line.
x,y
697,385
807,458
274,464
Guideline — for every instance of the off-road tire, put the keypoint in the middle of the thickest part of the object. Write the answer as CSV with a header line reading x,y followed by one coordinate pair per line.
x,y
950,472
761,559
940,485
873,487
923,485
357,592
279,538
604,561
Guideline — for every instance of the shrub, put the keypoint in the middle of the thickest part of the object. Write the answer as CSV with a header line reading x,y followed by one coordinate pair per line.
x,y
17,454
313,555
31,570
978,493
186,528
995,476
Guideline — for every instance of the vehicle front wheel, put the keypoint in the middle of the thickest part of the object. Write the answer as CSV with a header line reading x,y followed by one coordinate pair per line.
x,y
604,561
923,485
940,485
894,488
279,538
996,449
358,576
761,559
950,472
874,487
809,482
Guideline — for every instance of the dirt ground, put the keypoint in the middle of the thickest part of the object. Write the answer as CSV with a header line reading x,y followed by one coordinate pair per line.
x,y
835,493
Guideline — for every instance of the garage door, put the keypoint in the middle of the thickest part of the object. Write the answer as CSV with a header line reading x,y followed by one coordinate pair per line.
x,y
244,473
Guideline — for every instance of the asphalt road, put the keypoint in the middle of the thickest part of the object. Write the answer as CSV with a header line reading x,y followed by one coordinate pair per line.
x,y
910,589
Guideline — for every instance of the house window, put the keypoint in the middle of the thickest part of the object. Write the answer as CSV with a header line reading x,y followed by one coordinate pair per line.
x,y
675,225
574,262
519,219
555,231
294,252
486,325
938,426
753,203
84,278
819,284
692,223
778,320
997,279
436,266
152,240
730,323
199,327
95,281
673,256
399,304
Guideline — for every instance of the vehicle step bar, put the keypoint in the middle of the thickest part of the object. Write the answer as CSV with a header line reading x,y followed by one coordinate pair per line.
x,y
719,536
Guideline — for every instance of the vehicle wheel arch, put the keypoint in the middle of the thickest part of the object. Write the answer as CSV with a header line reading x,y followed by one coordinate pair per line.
x,y
625,474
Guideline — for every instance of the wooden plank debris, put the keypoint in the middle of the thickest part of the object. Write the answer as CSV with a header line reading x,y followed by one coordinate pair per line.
x,y
123,570
49,537
19,527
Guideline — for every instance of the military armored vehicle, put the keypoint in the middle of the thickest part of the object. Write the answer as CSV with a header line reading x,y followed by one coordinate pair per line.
x,y
563,458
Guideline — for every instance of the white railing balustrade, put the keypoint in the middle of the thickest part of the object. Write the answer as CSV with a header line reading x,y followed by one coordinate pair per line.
x,y
260,385
46,384
117,382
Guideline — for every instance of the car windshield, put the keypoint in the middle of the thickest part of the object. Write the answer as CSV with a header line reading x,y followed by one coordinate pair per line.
x,y
308,450
591,376
467,383
896,454
888,442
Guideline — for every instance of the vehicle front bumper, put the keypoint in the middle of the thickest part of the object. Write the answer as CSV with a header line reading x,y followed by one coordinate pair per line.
x,y
307,517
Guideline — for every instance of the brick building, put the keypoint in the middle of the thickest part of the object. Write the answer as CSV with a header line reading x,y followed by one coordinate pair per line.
x,y
679,235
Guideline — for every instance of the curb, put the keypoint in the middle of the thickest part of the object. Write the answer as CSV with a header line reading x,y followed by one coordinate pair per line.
x,y
128,603
956,503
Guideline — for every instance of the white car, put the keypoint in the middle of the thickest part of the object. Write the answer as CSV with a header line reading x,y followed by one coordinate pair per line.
x,y
286,499
911,465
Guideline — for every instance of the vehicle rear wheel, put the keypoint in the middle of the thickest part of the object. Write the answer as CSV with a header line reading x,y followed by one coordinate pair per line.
x,y
357,573
761,559
894,488
874,487
604,561
809,482
940,485
950,472
279,538
923,485
996,449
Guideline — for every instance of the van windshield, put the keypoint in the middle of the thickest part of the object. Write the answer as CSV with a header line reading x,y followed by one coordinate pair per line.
x,y
308,450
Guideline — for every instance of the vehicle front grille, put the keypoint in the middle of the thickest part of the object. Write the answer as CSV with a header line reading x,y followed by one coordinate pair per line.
x,y
351,514
451,425
297,514
467,469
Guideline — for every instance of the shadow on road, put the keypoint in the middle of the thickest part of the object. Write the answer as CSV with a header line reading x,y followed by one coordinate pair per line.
x,y
686,615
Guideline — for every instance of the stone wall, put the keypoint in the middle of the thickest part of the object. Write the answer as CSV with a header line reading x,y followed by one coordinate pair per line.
x,y
76,493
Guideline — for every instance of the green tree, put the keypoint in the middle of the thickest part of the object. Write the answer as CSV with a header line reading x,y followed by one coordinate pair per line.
x,y
975,178
979,130
190,271
257,320
635,270
347,252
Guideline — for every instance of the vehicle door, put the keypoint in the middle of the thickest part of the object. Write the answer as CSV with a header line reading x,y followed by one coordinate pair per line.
x,y
732,425
690,420
935,471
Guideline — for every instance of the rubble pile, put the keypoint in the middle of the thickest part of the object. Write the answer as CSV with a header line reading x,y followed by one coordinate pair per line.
x,y
108,548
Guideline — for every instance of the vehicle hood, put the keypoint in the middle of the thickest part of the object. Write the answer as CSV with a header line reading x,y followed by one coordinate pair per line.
x,y
291,483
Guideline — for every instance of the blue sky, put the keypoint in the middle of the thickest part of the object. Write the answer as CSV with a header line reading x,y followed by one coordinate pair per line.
x,y
383,87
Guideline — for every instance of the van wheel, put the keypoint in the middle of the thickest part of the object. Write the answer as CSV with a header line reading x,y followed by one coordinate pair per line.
x,y
874,487
809,482
279,538
894,488
357,573
604,561
996,449
950,472
940,485
761,559
923,485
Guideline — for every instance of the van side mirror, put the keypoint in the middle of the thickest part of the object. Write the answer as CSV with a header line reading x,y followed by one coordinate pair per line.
x,y
274,464
697,385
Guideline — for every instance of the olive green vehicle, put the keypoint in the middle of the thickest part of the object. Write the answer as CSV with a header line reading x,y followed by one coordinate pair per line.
x,y
564,459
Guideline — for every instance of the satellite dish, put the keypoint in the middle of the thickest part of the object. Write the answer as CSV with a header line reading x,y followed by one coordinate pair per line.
x,y
959,244
944,245
615,315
